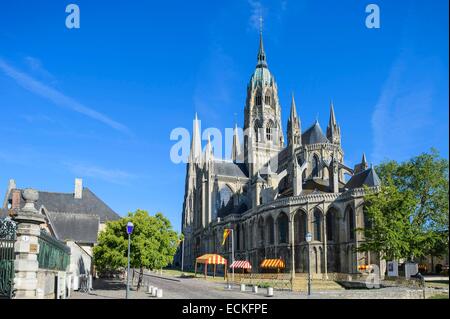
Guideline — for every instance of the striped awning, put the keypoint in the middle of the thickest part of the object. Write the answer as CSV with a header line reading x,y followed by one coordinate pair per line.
x,y
211,259
272,263
241,264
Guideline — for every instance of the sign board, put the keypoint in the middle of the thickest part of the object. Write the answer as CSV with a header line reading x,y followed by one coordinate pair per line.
x,y
411,269
392,268
33,248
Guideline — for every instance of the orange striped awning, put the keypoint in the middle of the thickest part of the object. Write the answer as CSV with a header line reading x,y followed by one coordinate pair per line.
x,y
241,264
272,263
211,259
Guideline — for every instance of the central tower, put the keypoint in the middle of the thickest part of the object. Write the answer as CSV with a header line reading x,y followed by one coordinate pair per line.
x,y
262,120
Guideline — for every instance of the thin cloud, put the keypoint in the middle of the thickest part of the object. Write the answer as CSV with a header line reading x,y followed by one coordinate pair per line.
x,y
58,97
115,176
37,68
402,115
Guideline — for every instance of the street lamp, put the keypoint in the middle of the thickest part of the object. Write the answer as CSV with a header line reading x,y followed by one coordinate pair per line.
x,y
130,227
308,238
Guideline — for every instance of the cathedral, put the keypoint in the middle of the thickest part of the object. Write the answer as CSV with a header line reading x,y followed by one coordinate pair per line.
x,y
273,191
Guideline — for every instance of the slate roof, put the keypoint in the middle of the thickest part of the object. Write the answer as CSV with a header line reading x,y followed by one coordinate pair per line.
x,y
230,169
66,203
81,228
314,135
368,177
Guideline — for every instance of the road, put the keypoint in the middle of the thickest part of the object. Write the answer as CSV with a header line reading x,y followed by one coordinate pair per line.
x,y
198,288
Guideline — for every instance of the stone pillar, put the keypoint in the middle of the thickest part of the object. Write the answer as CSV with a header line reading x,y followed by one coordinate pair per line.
x,y
27,247
325,241
292,224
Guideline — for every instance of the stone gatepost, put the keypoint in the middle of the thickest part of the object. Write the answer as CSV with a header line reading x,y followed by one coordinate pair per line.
x,y
27,247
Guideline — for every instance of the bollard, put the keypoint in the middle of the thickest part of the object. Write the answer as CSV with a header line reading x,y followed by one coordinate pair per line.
x,y
269,291
228,286
159,293
242,287
255,289
154,289
149,289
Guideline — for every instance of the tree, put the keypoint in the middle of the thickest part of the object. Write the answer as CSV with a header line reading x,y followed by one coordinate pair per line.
x,y
153,243
408,217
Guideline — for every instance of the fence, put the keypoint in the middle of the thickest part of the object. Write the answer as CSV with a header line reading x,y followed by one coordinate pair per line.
x,y
53,254
7,240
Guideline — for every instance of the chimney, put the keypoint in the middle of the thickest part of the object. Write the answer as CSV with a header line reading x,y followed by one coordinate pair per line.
x,y
78,188
11,184
15,202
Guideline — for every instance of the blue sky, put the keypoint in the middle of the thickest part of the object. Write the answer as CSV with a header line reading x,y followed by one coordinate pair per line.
x,y
100,102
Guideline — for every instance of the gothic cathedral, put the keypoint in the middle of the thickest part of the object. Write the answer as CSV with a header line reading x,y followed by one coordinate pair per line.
x,y
272,191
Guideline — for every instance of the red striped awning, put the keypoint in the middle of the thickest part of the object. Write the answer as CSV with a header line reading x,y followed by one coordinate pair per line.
x,y
211,259
241,264
272,263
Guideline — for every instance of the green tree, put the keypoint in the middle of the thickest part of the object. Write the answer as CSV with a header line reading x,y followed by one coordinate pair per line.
x,y
408,217
153,243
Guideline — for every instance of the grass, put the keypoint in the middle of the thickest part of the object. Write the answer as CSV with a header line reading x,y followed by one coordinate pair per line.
x,y
439,296
439,285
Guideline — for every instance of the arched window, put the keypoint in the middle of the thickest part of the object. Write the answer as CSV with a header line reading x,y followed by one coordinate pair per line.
x,y
267,100
269,131
270,230
224,198
317,225
258,127
261,232
301,220
238,237
315,166
351,223
367,220
282,228
244,238
258,100
330,224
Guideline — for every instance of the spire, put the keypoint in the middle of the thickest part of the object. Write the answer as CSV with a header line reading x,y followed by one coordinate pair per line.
x,y
293,108
262,62
332,121
294,131
196,143
333,130
235,151
364,160
208,151
364,164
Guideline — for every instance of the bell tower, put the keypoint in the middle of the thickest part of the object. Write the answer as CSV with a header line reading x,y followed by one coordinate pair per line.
x,y
262,119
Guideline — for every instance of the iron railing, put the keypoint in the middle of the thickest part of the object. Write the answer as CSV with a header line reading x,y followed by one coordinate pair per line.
x,y
7,256
53,254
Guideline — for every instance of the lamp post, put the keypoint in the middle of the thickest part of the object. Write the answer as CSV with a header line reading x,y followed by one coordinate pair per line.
x,y
130,227
308,240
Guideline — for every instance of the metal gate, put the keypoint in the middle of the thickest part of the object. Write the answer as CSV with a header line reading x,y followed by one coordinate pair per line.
x,y
7,240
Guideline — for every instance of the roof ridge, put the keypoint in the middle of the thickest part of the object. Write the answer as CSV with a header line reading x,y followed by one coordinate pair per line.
x,y
74,214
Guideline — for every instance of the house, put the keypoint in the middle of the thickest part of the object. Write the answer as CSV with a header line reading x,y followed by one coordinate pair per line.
x,y
75,218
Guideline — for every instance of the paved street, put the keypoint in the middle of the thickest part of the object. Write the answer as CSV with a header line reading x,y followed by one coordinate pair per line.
x,y
190,288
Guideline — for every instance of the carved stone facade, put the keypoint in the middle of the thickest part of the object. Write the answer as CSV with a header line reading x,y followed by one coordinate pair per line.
x,y
272,194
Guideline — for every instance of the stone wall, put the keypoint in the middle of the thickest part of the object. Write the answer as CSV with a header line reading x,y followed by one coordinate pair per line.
x,y
80,258
46,280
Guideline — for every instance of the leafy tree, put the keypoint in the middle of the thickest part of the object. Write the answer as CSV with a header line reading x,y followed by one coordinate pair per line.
x,y
153,243
409,215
